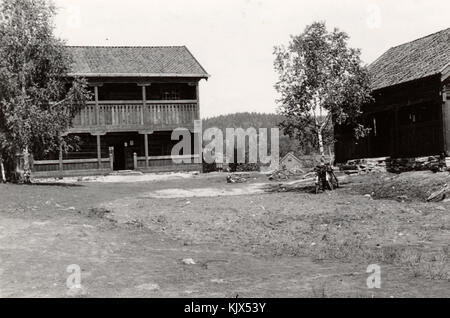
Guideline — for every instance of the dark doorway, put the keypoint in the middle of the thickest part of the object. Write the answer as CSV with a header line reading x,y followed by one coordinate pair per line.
x,y
119,156
125,145
381,134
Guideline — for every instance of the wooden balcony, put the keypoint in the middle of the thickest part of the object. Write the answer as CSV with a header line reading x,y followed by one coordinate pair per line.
x,y
116,116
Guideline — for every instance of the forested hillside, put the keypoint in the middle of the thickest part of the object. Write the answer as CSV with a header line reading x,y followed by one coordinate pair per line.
x,y
243,120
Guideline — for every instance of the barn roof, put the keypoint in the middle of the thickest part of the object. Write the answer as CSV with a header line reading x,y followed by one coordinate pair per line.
x,y
135,61
413,60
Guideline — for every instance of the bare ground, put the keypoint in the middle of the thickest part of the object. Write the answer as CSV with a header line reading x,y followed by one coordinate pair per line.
x,y
246,239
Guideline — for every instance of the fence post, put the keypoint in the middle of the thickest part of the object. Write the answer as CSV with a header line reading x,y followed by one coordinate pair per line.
x,y
146,149
99,152
111,158
61,165
135,162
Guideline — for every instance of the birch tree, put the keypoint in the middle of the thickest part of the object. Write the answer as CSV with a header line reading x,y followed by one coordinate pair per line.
x,y
37,98
321,81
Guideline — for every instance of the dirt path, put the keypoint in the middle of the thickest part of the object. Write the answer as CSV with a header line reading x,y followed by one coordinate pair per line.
x,y
44,229
126,262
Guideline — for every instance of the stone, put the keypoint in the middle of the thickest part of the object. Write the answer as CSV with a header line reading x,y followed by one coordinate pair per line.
x,y
188,261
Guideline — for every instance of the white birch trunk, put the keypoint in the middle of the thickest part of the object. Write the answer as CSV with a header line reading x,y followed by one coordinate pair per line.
x,y
26,165
2,170
320,138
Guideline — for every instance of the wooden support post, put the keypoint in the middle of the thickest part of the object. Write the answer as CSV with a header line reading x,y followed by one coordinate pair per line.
x,y
146,149
198,100
99,152
97,107
111,158
61,164
198,130
144,101
135,161
146,133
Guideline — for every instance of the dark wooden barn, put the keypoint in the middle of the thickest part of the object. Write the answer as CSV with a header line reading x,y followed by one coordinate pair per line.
x,y
410,115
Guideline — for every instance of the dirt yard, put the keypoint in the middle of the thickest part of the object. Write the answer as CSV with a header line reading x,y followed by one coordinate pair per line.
x,y
255,239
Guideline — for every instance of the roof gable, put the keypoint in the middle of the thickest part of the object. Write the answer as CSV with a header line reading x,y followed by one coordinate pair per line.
x,y
290,155
148,61
413,60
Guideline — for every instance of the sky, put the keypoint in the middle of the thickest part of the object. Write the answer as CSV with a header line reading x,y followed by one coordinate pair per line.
x,y
234,39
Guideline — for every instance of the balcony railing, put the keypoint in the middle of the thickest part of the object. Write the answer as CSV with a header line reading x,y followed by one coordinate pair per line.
x,y
136,115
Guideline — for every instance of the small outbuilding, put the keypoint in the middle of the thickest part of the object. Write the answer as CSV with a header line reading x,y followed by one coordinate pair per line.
x,y
292,163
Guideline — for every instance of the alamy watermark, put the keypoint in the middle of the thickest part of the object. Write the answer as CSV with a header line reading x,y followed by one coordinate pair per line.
x,y
374,279
235,145
74,279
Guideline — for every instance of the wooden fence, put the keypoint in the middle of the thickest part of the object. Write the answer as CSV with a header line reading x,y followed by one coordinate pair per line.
x,y
129,114
71,167
88,167
166,163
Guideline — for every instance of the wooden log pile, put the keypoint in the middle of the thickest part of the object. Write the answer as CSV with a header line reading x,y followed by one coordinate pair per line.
x,y
235,178
364,165
396,165
433,163
440,194
284,174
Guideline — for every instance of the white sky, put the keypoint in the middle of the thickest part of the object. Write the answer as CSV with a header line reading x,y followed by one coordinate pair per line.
x,y
234,39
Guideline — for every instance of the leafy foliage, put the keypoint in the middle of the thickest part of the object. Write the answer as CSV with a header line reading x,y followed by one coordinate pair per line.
x,y
321,80
37,101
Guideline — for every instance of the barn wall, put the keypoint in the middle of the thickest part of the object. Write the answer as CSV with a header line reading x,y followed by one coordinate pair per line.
x,y
406,120
446,117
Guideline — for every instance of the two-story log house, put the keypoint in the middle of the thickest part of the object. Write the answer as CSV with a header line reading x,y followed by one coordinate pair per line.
x,y
140,95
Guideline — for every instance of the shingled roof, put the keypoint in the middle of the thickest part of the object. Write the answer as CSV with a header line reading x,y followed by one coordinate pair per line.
x,y
143,61
413,60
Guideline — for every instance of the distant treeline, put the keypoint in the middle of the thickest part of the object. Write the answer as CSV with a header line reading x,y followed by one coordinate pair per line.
x,y
243,120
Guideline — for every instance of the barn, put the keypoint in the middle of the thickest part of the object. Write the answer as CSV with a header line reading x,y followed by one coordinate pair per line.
x,y
410,114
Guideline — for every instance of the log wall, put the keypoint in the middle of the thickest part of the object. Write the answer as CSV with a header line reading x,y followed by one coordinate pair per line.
x,y
406,120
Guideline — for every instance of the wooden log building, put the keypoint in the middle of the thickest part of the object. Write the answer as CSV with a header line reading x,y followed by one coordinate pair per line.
x,y
141,94
410,115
